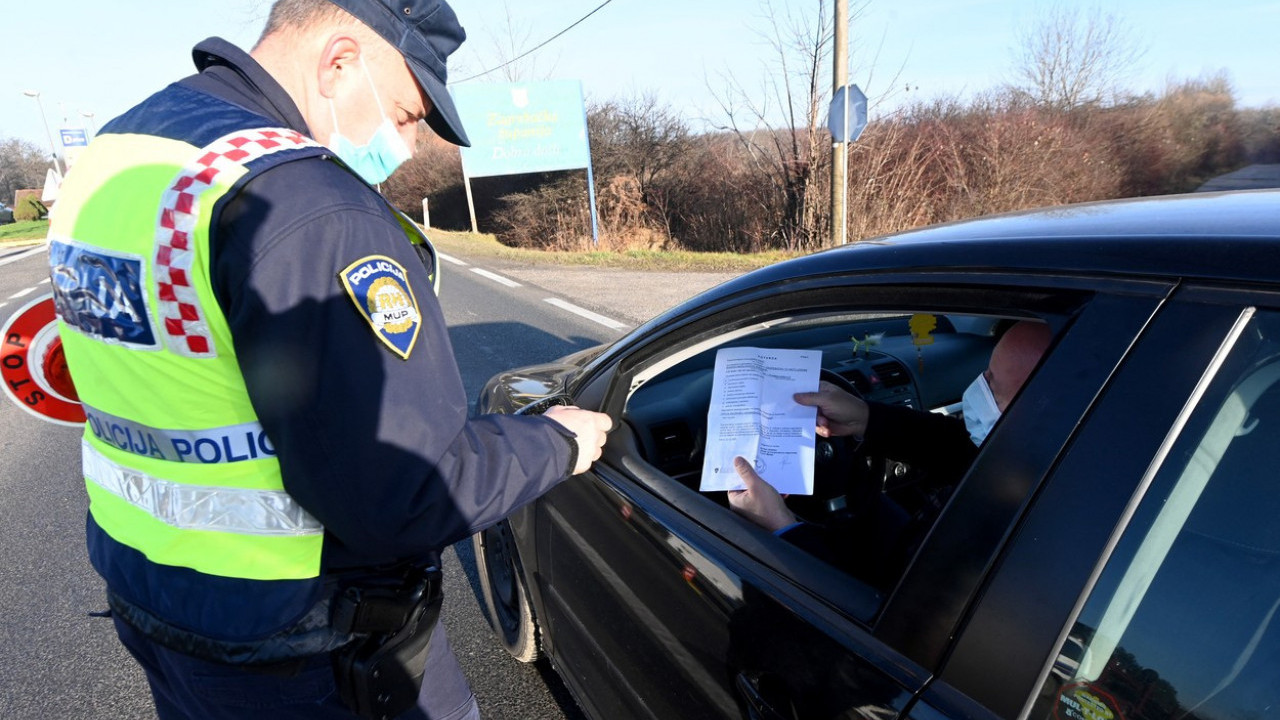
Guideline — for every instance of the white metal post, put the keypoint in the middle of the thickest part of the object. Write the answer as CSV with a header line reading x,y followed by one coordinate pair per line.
x,y
48,133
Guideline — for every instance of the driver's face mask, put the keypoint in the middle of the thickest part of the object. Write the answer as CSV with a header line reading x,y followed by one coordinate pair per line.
x,y
386,150
980,409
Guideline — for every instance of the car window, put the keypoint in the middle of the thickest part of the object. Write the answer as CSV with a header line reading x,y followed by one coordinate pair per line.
x,y
1182,621
916,362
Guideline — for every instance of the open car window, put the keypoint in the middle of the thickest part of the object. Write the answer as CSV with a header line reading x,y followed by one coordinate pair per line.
x,y
880,498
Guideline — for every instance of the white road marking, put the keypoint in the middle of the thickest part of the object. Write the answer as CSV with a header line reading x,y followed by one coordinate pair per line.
x,y
495,277
20,256
22,293
562,304
583,312
43,281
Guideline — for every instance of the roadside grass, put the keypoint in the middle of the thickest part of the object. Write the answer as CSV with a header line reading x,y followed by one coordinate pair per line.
x,y
33,230
486,245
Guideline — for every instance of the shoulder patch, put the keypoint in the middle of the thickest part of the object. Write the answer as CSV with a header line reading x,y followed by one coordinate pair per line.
x,y
379,287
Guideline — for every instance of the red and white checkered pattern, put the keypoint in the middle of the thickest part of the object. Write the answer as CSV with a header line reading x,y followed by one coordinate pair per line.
x,y
184,326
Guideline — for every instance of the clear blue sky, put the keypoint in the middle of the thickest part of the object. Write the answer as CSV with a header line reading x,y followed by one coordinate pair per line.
x,y
102,57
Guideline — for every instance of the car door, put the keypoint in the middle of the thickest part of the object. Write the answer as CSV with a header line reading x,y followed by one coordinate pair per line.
x,y
1143,581
660,603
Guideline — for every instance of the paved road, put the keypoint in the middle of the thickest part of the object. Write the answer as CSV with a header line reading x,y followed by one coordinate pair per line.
x,y
1252,177
55,661
58,662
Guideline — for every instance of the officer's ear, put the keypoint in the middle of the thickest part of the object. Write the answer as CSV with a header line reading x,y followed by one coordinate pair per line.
x,y
338,64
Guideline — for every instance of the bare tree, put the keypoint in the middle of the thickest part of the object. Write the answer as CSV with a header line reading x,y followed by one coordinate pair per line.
x,y
22,165
1074,58
794,155
434,172
642,139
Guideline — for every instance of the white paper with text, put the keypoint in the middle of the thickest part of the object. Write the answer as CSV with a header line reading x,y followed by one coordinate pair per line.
x,y
753,414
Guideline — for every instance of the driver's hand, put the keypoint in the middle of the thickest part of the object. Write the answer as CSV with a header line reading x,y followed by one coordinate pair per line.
x,y
589,428
759,503
839,413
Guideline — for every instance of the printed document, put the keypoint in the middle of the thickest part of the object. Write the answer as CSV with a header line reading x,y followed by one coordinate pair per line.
x,y
753,414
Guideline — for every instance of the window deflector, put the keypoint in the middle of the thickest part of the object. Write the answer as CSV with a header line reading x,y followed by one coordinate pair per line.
x,y
1230,420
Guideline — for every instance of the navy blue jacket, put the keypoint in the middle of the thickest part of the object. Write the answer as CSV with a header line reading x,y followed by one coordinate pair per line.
x,y
881,539
376,445
378,448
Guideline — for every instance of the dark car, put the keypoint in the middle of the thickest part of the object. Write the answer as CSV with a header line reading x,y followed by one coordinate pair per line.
x,y
1112,553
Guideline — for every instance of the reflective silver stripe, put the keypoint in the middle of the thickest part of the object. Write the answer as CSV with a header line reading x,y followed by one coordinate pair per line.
x,y
233,443
190,507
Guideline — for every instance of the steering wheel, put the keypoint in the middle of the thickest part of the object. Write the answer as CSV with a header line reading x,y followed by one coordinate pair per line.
x,y
843,483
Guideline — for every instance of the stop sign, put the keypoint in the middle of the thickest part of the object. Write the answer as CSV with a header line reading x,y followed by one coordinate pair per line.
x,y
33,370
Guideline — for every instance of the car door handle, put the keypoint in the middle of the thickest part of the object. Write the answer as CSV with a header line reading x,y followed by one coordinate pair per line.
x,y
541,405
765,694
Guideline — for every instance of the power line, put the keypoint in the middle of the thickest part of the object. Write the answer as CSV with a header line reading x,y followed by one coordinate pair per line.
x,y
540,45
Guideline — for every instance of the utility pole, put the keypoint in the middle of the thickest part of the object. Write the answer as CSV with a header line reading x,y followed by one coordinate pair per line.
x,y
840,150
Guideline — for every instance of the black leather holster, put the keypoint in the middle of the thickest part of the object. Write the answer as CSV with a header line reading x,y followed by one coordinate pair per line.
x,y
379,674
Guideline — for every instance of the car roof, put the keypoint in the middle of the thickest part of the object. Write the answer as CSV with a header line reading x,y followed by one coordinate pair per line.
x,y
1232,237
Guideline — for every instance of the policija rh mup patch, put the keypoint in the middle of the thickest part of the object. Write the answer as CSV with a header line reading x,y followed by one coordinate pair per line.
x,y
379,287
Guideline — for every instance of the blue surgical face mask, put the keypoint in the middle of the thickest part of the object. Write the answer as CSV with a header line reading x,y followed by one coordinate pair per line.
x,y
377,159
980,409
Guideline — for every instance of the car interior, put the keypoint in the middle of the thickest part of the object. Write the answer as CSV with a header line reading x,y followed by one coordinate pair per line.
x,y
920,360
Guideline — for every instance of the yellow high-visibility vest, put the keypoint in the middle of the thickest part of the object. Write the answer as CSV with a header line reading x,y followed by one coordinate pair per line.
x,y
175,461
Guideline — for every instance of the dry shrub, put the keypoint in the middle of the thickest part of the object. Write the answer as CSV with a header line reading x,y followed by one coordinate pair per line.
x,y
717,201
435,173
772,185
949,161
625,219
1260,133
1023,157
712,200
659,188
1003,156
1176,142
890,186
1202,124
554,216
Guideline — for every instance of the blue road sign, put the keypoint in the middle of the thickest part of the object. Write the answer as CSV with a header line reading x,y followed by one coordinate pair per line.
x,y
848,116
74,137
523,127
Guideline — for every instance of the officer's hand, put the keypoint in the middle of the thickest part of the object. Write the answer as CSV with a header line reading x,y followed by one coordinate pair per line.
x,y
590,428
759,503
839,413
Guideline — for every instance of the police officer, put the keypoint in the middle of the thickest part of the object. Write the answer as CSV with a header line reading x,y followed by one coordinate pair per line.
x,y
278,443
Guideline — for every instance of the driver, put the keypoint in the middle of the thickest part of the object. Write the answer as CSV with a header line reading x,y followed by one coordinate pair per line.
x,y
938,446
